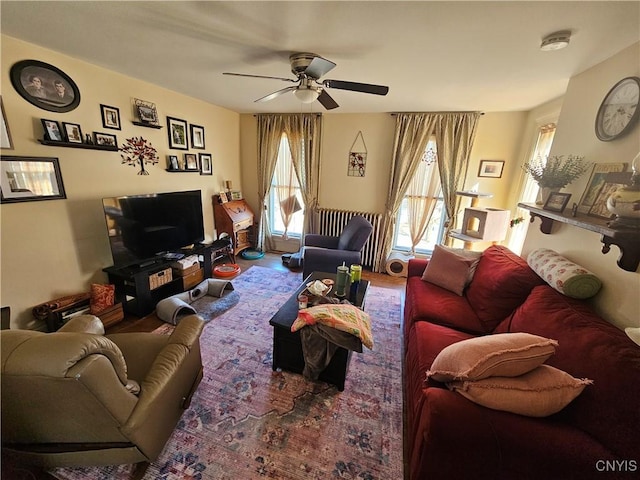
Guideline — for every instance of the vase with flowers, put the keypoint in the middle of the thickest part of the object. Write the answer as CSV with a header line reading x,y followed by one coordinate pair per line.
x,y
555,173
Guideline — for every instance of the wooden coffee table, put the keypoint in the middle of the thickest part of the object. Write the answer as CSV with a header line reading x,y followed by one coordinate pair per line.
x,y
287,346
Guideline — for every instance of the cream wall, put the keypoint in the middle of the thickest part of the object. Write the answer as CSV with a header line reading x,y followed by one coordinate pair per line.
x,y
618,301
498,137
58,247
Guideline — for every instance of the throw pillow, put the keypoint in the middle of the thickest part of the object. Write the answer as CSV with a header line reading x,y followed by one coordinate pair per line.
x,y
451,268
539,393
562,274
102,297
342,316
501,354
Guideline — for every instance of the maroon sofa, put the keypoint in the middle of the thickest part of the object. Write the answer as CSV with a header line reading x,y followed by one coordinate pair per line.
x,y
449,437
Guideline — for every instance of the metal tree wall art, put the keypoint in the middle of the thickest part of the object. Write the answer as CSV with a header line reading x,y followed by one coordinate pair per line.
x,y
137,149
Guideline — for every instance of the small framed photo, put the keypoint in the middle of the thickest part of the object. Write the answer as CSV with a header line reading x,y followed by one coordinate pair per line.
x,y
146,112
72,132
51,130
197,137
110,117
177,133
557,202
491,168
105,139
191,161
206,164
236,195
224,198
172,161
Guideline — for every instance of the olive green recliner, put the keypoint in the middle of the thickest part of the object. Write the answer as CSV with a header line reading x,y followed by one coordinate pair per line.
x,y
74,398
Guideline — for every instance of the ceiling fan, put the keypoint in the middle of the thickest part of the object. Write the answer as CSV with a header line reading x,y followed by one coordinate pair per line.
x,y
308,68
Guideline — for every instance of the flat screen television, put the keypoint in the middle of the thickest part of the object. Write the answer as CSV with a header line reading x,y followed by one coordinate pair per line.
x,y
143,227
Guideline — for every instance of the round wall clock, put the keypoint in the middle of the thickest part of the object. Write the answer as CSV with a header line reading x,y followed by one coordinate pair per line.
x,y
619,110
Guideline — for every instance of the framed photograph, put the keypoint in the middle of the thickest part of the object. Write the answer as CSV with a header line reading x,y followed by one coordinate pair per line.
x,y
172,162
236,195
206,164
27,179
224,198
45,86
491,168
191,161
72,132
110,117
197,137
597,179
5,133
105,139
599,208
52,130
146,112
177,133
557,202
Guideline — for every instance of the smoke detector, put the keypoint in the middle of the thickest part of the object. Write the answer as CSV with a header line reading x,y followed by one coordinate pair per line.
x,y
555,41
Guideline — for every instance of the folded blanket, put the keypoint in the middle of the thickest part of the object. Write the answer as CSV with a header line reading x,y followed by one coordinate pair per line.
x,y
565,276
344,317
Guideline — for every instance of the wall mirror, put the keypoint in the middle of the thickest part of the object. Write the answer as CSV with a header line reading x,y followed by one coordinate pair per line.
x,y
27,179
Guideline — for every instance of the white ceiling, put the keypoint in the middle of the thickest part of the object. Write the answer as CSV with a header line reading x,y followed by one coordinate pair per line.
x,y
434,56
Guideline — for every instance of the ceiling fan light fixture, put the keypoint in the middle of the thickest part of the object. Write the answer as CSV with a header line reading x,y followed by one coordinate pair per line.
x,y
307,95
556,41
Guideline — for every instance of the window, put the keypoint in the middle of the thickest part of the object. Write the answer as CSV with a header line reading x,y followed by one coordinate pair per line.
x,y
529,190
426,179
284,186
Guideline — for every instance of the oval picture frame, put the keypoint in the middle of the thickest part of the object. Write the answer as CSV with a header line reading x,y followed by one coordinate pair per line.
x,y
53,90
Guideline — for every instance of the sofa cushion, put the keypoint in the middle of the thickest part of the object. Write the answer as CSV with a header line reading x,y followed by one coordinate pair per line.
x,y
591,347
451,268
504,354
427,302
502,282
539,393
563,275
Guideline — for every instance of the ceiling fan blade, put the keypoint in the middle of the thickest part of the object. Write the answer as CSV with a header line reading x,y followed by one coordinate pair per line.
x,y
357,87
275,94
318,67
259,76
327,101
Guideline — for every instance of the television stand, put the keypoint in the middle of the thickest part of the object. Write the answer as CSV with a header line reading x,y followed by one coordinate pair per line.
x,y
142,286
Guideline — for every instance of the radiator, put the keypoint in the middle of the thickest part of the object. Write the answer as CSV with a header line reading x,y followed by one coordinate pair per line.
x,y
332,222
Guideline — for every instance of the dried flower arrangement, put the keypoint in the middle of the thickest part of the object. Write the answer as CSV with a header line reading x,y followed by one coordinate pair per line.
x,y
556,172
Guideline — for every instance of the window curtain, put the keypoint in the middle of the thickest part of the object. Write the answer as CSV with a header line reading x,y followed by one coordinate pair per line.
x,y
412,134
304,134
454,133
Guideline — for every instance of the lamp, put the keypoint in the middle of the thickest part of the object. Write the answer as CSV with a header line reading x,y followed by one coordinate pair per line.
x,y
625,201
307,94
555,41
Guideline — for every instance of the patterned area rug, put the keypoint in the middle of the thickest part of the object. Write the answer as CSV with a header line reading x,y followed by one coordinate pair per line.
x,y
248,422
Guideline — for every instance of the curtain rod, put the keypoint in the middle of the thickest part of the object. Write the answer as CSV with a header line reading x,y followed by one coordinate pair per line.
x,y
393,114
316,114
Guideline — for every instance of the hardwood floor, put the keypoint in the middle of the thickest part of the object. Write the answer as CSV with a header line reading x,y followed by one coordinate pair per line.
x,y
270,260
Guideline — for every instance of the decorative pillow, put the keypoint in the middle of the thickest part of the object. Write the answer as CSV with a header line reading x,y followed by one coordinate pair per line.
x,y
501,354
539,393
565,276
102,297
451,268
344,317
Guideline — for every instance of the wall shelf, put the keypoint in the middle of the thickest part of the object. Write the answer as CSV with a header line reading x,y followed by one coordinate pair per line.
x,y
148,125
627,239
54,143
177,170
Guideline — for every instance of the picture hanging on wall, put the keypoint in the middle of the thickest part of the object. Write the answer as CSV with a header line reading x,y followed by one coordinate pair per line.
x,y
177,133
45,86
206,164
357,157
